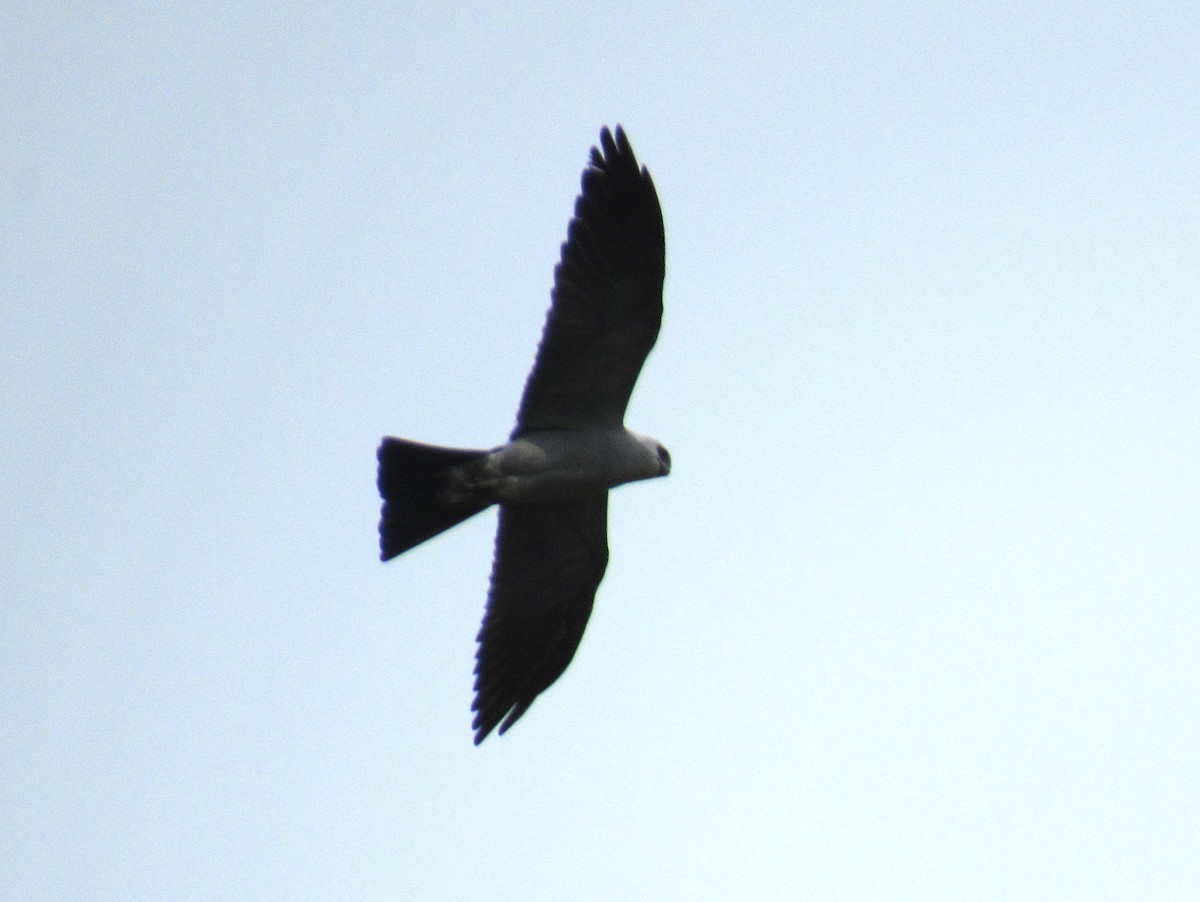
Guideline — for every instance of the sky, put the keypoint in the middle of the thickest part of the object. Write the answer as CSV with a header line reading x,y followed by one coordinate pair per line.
x,y
915,616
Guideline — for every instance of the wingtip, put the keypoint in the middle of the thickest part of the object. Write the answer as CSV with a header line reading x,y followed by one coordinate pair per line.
x,y
483,730
492,716
614,140
607,142
622,141
613,149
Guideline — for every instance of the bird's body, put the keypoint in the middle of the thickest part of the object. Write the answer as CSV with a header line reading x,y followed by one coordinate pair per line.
x,y
557,465
569,447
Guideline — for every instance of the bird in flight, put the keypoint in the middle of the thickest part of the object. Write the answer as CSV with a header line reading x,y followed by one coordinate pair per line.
x,y
568,448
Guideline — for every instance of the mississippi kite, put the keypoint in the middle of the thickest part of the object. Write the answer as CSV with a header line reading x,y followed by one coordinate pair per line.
x,y
568,449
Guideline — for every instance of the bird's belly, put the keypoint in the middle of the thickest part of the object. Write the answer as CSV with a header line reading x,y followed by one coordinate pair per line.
x,y
563,484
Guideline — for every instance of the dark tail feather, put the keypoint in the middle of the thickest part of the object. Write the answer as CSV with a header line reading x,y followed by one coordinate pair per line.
x,y
410,478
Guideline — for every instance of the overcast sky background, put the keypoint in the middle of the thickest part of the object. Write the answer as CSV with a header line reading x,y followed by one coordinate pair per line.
x,y
916,614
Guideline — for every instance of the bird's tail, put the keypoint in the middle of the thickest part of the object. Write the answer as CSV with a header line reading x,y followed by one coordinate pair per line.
x,y
411,479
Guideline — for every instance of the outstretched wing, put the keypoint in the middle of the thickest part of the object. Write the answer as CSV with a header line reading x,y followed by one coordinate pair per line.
x,y
550,559
606,305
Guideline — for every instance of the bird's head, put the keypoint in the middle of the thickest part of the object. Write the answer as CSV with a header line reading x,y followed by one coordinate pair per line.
x,y
664,459
656,460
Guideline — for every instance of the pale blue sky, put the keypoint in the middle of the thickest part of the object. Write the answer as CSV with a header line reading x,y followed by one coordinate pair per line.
x,y
917,614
